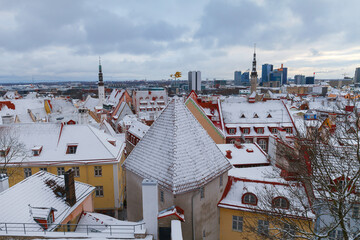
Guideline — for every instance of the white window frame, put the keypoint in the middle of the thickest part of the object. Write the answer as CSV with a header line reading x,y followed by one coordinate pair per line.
x,y
27,172
60,171
76,171
98,171
263,227
99,191
263,144
237,223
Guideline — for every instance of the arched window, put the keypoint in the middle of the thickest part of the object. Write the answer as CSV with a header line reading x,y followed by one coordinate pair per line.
x,y
249,198
280,202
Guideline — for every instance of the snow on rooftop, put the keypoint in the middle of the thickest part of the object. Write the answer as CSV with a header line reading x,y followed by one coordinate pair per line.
x,y
249,153
177,152
138,129
34,191
234,108
92,143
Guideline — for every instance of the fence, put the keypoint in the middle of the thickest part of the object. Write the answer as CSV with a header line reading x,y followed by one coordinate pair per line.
x,y
125,230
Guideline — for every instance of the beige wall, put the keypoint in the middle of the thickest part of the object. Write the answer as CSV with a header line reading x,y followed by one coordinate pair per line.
x,y
206,212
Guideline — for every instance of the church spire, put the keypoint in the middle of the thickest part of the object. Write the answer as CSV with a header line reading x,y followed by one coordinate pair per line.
x,y
101,82
101,89
253,72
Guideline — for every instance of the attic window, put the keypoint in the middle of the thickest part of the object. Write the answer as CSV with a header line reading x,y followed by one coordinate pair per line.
x,y
249,198
43,216
4,152
36,150
242,116
71,149
269,116
112,141
256,116
280,202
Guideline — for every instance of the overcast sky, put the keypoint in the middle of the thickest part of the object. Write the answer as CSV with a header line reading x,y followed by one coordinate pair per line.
x,y
150,39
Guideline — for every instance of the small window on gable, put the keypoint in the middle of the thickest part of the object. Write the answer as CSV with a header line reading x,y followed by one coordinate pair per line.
x,y
242,116
112,141
36,150
269,116
249,198
4,152
255,115
71,149
280,202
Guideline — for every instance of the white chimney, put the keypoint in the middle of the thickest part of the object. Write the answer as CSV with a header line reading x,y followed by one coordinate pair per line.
x,y
83,116
8,119
4,182
150,206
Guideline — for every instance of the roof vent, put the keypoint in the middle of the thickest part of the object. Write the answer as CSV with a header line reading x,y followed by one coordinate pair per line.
x,y
249,150
228,154
237,144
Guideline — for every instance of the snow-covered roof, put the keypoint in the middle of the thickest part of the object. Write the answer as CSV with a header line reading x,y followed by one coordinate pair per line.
x,y
266,192
92,143
248,154
239,111
138,129
35,191
177,152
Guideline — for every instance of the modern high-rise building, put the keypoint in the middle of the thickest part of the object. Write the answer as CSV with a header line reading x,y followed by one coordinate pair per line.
x,y
357,75
194,78
266,69
299,79
310,80
237,78
245,78
275,78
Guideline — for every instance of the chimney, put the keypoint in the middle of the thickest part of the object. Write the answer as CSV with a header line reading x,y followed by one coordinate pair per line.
x,y
83,116
8,119
228,154
70,187
237,144
4,182
150,206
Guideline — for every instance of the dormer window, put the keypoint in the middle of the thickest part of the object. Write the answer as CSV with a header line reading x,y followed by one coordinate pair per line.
x,y
280,202
274,130
260,130
269,116
249,198
256,116
4,152
71,149
36,150
112,141
242,116
43,216
232,130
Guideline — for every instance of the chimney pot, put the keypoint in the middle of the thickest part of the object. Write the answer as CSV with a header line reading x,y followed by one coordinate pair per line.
x,y
228,154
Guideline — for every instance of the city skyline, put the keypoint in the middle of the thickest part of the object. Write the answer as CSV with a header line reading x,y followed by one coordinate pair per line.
x,y
45,41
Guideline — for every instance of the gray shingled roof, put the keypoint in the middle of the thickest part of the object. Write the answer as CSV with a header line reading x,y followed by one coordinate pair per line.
x,y
177,152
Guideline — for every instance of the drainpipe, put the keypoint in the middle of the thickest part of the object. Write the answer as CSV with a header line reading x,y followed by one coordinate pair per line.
x,y
192,212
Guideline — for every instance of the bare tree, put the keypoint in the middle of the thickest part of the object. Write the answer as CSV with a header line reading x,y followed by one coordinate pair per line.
x,y
12,151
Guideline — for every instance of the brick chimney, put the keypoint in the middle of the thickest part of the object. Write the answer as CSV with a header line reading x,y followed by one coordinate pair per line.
x,y
70,187
228,154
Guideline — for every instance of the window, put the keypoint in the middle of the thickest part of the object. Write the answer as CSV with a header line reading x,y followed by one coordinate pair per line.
x,y
202,192
263,227
98,171
289,231
221,180
256,116
269,116
162,196
355,212
71,149
336,235
36,150
60,171
248,140
242,116
237,224
288,130
246,131
232,130
249,198
4,152
27,172
280,202
99,191
76,171
43,169
260,130
263,144
3,171
274,130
